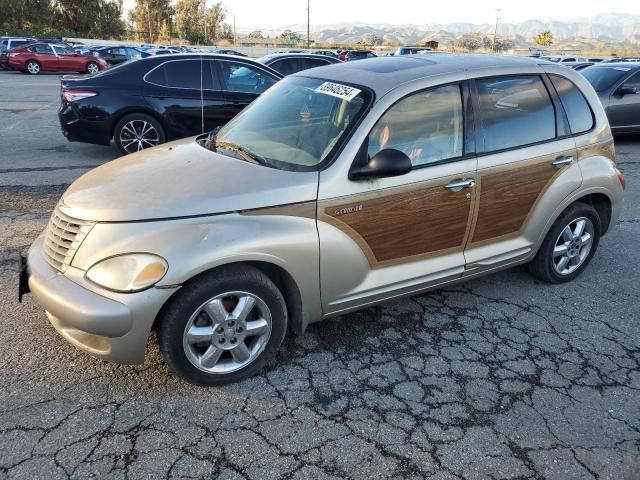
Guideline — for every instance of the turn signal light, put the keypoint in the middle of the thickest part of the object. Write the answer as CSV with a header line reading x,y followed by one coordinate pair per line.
x,y
71,95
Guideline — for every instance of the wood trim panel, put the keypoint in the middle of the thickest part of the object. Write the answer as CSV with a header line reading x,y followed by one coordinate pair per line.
x,y
508,195
304,210
405,223
604,149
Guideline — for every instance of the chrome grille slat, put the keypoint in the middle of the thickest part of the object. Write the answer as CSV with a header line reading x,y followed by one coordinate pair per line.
x,y
63,237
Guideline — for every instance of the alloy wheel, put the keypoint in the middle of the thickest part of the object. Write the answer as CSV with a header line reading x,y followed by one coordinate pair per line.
x,y
227,332
573,245
137,135
93,68
33,68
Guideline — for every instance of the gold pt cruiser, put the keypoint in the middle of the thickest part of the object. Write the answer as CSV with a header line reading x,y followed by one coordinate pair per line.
x,y
340,187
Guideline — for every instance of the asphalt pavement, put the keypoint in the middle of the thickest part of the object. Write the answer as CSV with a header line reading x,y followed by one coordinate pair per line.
x,y
502,377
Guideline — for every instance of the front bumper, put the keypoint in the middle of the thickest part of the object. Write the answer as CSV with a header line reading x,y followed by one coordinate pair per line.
x,y
115,329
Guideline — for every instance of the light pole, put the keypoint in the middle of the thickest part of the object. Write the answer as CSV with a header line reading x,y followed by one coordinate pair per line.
x,y
308,23
495,31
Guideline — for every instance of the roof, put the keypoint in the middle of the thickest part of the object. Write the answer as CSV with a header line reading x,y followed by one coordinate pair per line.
x,y
275,56
382,74
628,65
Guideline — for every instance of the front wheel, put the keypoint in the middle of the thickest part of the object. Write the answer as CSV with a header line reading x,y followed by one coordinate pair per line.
x,y
223,326
138,131
569,246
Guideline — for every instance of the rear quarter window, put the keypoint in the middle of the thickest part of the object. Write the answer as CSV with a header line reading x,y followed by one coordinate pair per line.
x,y
515,111
575,105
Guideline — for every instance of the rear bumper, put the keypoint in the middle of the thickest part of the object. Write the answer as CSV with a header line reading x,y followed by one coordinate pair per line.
x,y
113,329
77,129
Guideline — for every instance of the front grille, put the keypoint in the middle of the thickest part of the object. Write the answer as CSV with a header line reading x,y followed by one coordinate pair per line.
x,y
64,236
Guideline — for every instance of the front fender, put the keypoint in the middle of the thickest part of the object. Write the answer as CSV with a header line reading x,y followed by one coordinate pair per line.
x,y
195,245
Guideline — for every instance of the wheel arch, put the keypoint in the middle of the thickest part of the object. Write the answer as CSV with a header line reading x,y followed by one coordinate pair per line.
x,y
278,275
137,109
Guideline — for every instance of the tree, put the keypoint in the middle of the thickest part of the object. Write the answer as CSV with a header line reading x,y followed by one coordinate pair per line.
x,y
470,41
503,44
544,39
187,19
150,17
290,37
213,18
256,34
371,39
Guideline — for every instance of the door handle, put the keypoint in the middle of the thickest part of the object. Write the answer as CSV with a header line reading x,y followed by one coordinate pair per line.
x,y
562,161
460,184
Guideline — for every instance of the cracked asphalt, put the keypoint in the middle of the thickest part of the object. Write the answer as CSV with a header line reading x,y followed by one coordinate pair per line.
x,y
497,378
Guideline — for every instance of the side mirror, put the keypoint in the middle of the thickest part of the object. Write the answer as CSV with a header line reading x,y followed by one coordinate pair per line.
x,y
386,163
626,90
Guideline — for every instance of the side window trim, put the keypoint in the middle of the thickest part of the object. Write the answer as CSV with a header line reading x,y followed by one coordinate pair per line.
x,y
467,143
563,129
556,96
478,131
216,76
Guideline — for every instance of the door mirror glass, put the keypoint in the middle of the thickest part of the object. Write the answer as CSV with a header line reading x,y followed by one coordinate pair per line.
x,y
626,90
386,163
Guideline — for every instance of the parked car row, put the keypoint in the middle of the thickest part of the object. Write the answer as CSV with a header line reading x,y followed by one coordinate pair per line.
x,y
35,58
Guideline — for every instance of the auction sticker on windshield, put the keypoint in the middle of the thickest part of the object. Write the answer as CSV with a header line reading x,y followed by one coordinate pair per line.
x,y
337,90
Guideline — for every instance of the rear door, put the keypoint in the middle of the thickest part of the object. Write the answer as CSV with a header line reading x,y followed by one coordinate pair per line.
x,y
214,104
242,83
624,110
45,55
524,147
174,89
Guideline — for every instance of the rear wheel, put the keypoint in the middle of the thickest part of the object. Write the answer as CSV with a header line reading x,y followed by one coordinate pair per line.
x,y
138,131
33,67
569,246
223,327
93,67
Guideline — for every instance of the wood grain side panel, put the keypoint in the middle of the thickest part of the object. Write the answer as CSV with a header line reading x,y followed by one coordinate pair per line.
x,y
508,195
304,210
419,220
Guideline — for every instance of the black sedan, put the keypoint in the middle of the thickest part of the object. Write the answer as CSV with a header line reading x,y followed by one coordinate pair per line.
x,y
618,86
290,63
117,54
160,98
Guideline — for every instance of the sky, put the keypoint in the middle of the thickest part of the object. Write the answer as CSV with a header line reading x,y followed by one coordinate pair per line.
x,y
271,14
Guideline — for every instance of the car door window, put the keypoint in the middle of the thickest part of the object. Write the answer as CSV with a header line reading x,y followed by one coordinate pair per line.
x,y
210,75
313,62
514,111
575,105
242,77
286,66
42,49
63,50
176,74
633,81
427,126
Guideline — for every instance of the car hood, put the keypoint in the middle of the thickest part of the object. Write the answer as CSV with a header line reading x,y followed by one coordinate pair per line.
x,y
181,179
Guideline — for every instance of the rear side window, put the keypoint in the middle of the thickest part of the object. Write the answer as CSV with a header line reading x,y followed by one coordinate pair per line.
x,y
574,103
313,62
41,49
176,74
515,111
286,66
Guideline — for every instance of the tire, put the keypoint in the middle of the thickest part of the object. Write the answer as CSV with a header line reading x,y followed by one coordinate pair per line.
x,y
32,67
562,245
131,127
92,68
215,356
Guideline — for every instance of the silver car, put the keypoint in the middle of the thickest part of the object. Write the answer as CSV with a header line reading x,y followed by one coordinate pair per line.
x,y
338,188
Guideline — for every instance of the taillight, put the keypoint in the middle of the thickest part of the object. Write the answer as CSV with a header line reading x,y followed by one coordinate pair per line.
x,y
71,95
621,178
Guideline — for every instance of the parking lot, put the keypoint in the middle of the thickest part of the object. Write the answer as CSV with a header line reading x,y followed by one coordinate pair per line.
x,y
500,377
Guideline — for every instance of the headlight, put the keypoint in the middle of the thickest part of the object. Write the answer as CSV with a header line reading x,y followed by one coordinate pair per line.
x,y
128,273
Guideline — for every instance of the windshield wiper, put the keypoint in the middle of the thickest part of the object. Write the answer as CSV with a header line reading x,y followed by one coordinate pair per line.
x,y
210,142
243,152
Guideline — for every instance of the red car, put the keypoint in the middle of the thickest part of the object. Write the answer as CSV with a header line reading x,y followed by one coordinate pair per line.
x,y
47,57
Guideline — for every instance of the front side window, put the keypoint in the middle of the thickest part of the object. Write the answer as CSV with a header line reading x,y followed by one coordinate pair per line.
x,y
574,103
297,124
634,81
515,111
60,50
242,77
285,66
427,126
603,78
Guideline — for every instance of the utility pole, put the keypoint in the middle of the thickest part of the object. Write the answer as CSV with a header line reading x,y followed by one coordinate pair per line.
x,y
308,23
234,31
495,31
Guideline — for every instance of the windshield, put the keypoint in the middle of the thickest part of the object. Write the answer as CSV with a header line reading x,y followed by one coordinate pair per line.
x,y
602,78
296,124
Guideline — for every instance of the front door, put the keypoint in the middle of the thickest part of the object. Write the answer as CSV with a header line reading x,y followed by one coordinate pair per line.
x,y
622,110
390,236
524,145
